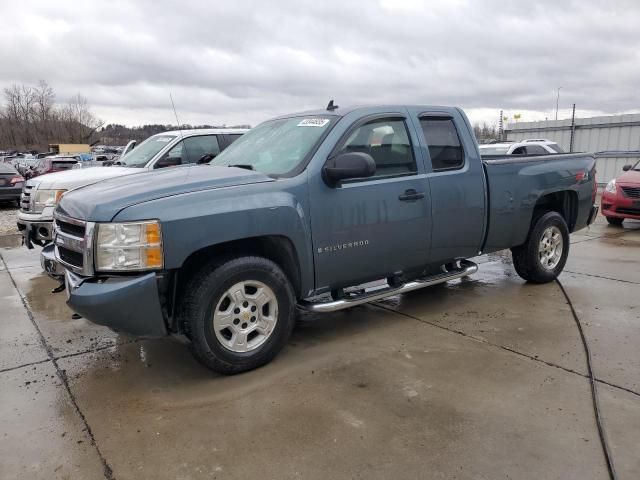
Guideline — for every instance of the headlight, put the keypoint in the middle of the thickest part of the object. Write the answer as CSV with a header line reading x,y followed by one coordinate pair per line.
x,y
611,186
47,198
122,247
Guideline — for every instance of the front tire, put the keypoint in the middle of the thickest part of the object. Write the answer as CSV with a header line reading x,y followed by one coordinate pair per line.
x,y
615,221
543,256
239,313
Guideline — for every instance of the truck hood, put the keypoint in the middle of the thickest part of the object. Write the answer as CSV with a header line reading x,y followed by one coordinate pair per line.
x,y
102,201
632,177
79,177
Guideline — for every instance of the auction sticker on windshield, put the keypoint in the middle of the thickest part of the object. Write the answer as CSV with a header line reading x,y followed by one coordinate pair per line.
x,y
313,122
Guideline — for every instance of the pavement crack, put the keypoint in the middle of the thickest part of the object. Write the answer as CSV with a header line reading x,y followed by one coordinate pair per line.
x,y
8,369
502,347
107,470
603,277
96,349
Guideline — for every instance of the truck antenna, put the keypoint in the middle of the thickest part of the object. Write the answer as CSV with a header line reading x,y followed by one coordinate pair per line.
x,y
184,145
331,107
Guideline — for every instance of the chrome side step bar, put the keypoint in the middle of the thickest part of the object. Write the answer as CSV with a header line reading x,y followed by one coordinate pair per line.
x,y
466,268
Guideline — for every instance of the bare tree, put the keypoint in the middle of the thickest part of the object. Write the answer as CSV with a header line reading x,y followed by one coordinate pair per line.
x,y
30,118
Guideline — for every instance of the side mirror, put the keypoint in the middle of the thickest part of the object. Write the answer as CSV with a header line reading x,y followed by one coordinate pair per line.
x,y
168,162
348,165
206,158
626,168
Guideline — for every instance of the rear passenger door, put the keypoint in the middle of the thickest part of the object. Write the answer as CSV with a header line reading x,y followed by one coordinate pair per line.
x,y
457,185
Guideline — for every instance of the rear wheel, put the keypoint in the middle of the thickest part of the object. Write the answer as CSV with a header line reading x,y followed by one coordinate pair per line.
x,y
543,256
615,220
239,312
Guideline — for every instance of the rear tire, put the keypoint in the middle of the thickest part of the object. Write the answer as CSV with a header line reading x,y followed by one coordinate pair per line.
x,y
543,256
615,220
239,313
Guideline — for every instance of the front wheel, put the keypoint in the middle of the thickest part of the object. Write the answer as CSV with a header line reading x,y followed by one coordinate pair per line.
x,y
239,313
543,256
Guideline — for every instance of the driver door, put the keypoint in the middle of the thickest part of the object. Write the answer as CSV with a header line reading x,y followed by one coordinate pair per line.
x,y
373,227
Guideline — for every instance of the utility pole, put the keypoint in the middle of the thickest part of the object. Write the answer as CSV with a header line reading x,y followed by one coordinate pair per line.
x,y
573,127
500,126
557,102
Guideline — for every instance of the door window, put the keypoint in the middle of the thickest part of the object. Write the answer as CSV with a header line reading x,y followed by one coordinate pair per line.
x,y
387,141
444,144
192,150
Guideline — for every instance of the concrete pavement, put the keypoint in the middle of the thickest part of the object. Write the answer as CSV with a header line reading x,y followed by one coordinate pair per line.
x,y
482,378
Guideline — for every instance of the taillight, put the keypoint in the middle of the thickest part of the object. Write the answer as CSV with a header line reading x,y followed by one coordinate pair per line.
x,y
16,179
594,194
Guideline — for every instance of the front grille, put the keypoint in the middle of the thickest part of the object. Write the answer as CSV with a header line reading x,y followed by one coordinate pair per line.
x,y
70,228
628,211
72,258
631,192
73,243
25,198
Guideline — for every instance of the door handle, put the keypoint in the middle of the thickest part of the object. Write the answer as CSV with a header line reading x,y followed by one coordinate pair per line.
x,y
411,195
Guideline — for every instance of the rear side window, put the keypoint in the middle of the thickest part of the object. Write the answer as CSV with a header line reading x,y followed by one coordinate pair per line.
x,y
555,147
536,150
444,144
387,141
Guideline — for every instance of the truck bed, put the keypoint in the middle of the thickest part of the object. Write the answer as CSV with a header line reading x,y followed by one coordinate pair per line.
x,y
516,183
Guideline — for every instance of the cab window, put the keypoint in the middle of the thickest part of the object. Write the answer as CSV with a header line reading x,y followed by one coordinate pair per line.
x,y
444,144
191,150
387,141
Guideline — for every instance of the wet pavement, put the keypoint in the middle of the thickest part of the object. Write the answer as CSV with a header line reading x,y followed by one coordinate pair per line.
x,y
482,378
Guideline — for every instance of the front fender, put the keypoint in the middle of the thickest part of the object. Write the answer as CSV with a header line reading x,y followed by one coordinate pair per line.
x,y
193,221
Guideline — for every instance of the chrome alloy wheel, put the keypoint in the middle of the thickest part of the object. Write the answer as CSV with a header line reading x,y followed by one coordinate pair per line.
x,y
245,316
550,248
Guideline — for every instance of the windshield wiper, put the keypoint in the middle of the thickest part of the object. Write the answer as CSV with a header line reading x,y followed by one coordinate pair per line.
x,y
246,166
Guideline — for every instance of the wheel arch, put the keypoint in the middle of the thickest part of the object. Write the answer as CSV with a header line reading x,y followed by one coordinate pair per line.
x,y
564,202
277,248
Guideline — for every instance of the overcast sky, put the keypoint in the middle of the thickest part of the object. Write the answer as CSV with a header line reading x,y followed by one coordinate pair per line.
x,y
244,61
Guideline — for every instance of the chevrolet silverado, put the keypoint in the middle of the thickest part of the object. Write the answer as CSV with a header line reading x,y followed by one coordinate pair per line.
x,y
300,213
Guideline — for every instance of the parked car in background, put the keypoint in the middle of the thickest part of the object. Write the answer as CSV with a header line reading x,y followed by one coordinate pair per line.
x,y
175,148
534,146
11,183
621,196
51,164
302,211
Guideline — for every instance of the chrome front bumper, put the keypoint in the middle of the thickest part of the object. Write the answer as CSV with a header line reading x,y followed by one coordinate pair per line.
x,y
35,229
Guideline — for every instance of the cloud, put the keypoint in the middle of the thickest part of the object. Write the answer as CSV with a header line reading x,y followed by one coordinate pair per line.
x,y
244,61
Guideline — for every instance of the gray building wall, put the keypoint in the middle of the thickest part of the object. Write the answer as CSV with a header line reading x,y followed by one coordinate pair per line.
x,y
615,139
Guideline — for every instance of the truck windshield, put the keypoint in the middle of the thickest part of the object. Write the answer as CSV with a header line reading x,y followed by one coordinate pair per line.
x,y
140,155
276,147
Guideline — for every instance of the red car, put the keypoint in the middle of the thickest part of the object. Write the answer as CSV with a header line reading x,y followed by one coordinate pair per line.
x,y
621,197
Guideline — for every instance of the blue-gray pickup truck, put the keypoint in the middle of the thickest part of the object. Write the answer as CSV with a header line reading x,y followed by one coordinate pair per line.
x,y
298,213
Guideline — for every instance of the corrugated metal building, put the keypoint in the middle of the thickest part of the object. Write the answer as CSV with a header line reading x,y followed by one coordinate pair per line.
x,y
614,139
